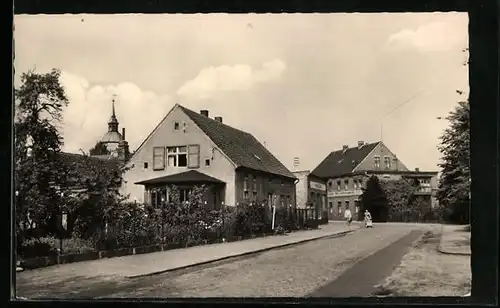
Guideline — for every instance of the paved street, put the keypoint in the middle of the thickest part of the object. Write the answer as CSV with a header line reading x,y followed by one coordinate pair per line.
x,y
295,271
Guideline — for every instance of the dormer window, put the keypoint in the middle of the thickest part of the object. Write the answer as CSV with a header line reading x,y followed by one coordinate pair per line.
x,y
176,125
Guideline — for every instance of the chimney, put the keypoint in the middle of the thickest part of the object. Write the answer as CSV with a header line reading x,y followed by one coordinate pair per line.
x,y
417,169
123,133
204,112
218,119
345,147
360,144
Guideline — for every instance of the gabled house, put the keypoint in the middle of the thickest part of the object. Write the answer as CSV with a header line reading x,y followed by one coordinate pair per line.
x,y
188,148
346,171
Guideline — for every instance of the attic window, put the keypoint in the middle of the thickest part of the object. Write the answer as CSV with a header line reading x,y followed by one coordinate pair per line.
x,y
340,161
207,162
176,125
255,155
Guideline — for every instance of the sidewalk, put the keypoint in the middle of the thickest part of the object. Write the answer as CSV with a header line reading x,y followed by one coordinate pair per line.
x,y
158,262
454,240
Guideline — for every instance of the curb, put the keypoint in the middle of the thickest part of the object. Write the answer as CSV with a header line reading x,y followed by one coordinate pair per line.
x,y
334,235
441,250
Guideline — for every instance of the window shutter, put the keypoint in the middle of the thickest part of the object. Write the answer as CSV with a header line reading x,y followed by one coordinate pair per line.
x,y
158,158
194,156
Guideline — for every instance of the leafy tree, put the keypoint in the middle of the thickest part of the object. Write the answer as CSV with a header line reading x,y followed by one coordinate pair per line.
x,y
39,102
400,196
99,149
454,183
374,200
92,195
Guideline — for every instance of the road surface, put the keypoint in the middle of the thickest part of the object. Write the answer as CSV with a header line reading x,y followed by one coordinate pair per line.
x,y
296,271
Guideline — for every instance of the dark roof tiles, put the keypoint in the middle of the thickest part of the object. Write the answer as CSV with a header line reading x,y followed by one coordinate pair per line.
x,y
241,147
342,162
191,176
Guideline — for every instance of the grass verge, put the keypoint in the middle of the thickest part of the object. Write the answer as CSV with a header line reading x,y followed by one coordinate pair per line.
x,y
424,271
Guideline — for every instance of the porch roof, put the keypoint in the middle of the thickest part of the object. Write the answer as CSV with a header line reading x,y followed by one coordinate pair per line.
x,y
191,176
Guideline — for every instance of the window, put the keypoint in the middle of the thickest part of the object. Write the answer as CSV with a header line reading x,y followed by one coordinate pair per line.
x,y
346,184
329,184
245,184
282,201
207,162
145,165
346,204
158,158
330,205
184,194
245,194
177,156
194,156
158,197
387,162
355,183
338,185
176,125
254,196
377,162
254,185
339,207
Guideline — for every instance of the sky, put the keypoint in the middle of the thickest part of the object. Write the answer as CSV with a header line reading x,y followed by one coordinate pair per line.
x,y
303,84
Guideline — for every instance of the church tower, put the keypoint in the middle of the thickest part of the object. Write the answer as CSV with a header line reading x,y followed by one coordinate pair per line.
x,y
112,137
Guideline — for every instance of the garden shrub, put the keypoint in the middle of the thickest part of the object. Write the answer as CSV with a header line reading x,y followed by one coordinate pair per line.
x,y
33,247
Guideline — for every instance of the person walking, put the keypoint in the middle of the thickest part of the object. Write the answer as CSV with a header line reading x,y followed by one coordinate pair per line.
x,y
348,217
368,219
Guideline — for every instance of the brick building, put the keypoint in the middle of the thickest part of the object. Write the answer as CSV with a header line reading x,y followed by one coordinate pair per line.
x,y
189,148
346,171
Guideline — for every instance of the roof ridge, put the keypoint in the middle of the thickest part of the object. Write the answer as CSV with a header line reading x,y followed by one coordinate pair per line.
x,y
355,147
218,123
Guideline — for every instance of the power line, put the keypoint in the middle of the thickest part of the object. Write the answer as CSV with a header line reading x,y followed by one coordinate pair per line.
x,y
396,108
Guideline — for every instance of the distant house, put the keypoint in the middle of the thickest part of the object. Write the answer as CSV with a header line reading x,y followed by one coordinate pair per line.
x,y
189,148
80,167
346,171
310,191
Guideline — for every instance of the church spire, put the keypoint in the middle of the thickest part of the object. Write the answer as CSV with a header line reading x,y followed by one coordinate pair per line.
x,y
113,122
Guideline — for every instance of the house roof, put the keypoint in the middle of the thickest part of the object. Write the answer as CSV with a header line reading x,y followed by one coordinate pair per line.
x,y
80,167
72,158
191,176
242,148
342,162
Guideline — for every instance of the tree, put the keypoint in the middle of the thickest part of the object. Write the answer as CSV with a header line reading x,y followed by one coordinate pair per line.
x,y
99,149
39,102
400,196
92,195
454,182
374,200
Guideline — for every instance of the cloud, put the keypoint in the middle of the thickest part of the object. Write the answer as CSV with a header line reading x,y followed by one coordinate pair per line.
x,y
434,36
85,118
225,78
